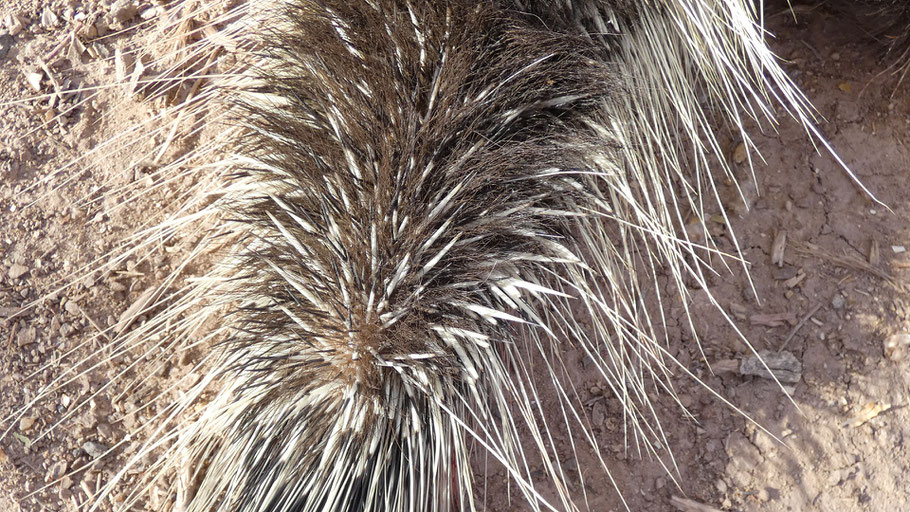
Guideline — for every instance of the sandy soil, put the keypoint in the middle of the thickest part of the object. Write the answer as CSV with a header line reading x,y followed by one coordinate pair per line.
x,y
834,301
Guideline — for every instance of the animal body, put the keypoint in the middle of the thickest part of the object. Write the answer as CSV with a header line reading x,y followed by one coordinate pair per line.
x,y
425,204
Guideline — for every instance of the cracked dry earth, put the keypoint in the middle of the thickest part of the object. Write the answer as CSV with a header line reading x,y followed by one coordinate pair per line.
x,y
829,265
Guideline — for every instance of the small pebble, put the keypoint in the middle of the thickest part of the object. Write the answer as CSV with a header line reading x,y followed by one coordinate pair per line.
x,y
837,302
721,486
56,471
740,153
599,414
49,18
898,249
149,13
27,336
15,24
94,450
26,423
16,271
785,273
6,42
65,330
895,346
34,81
105,430
71,307
783,366
122,11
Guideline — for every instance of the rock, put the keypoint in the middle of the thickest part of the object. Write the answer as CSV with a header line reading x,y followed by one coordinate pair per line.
x,y
49,18
150,13
895,346
26,423
123,63
785,273
86,31
129,422
6,42
16,271
599,414
721,486
105,430
837,302
65,330
15,24
93,450
27,336
34,81
836,477
101,28
740,153
783,366
122,11
56,471
100,407
72,307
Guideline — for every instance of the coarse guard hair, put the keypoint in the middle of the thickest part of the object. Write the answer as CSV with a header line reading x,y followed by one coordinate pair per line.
x,y
414,210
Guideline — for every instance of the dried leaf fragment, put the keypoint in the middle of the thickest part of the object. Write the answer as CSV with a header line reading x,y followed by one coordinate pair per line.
x,y
875,252
867,413
777,248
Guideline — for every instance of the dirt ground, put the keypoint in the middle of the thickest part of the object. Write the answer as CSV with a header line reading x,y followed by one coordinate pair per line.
x,y
836,300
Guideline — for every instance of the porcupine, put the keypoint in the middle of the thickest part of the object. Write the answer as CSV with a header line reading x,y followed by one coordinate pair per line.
x,y
423,198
